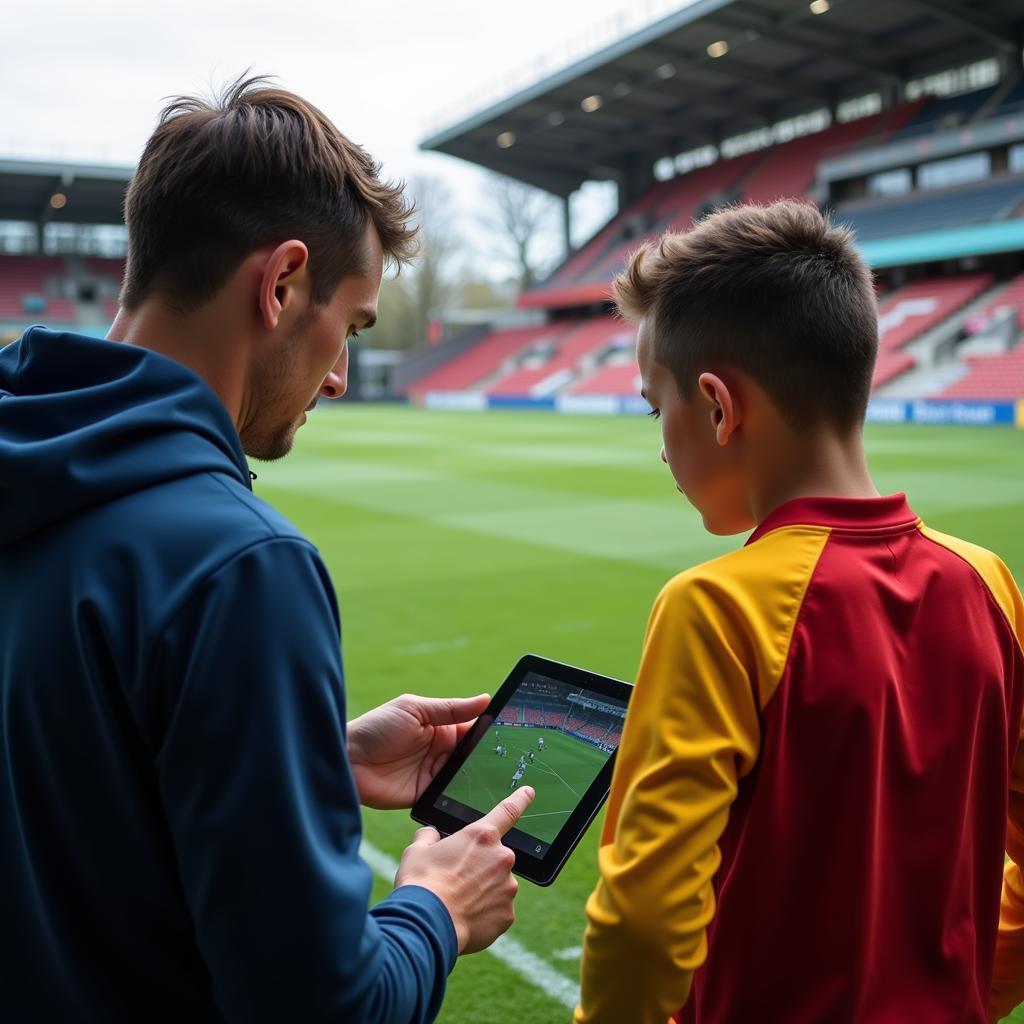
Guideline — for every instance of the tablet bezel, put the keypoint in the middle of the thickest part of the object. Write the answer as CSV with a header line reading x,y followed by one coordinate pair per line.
x,y
542,869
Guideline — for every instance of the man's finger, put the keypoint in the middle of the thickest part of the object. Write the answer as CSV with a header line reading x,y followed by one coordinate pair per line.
x,y
426,836
504,815
448,710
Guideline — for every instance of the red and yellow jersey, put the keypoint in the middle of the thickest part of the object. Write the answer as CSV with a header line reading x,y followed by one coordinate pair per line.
x,y
809,808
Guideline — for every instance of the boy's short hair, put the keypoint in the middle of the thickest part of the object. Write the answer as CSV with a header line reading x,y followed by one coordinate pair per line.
x,y
776,291
254,167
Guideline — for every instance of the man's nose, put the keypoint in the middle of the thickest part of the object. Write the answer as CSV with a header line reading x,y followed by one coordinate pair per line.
x,y
336,382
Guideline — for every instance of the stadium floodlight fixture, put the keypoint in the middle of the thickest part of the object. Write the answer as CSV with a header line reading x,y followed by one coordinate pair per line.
x,y
506,140
555,118
622,89
665,71
592,103
58,200
820,6
719,48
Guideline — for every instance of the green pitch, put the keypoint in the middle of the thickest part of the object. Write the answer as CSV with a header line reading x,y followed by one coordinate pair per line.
x,y
560,774
458,542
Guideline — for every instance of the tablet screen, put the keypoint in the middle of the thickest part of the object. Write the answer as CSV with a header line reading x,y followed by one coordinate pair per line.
x,y
551,735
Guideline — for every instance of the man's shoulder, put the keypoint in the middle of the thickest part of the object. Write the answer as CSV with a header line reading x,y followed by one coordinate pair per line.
x,y
213,508
182,531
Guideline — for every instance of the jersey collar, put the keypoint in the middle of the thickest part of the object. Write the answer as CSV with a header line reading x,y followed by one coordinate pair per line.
x,y
885,513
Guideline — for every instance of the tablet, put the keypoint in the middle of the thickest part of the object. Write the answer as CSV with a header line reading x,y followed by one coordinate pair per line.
x,y
550,726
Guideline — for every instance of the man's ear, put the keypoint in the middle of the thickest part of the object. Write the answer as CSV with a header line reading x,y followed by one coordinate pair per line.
x,y
283,282
723,406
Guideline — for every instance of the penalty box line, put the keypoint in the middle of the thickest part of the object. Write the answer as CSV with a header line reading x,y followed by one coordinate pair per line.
x,y
512,953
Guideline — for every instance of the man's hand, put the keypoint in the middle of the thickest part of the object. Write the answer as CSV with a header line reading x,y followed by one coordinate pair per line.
x,y
470,872
396,749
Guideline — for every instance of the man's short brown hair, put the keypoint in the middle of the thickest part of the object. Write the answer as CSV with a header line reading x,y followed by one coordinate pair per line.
x,y
254,167
775,291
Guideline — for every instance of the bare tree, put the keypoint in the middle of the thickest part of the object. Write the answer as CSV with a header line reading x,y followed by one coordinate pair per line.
x,y
429,285
409,301
524,222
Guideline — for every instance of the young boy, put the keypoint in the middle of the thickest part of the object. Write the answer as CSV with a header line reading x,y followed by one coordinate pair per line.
x,y
808,813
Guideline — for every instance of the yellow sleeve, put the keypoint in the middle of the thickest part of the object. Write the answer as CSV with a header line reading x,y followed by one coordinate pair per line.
x,y
716,647
1007,990
692,727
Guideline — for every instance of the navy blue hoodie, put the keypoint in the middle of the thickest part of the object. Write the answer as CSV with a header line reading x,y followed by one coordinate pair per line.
x,y
179,827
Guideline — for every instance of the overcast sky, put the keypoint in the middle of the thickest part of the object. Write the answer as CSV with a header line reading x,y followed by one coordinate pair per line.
x,y
84,81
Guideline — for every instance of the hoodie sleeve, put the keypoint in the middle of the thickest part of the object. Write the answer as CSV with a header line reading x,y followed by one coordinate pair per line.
x,y
263,809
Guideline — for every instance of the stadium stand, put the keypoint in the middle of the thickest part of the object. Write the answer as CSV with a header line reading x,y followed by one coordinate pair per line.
x,y
582,340
1010,297
789,170
991,378
947,111
484,359
669,205
908,312
983,203
619,378
27,286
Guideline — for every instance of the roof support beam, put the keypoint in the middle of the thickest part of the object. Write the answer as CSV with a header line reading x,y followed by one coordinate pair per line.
x,y
998,33
848,54
729,67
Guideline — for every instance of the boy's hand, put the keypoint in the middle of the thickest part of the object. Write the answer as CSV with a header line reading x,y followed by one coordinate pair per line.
x,y
396,749
470,872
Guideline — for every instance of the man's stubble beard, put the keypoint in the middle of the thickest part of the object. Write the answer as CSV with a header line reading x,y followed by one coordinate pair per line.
x,y
265,438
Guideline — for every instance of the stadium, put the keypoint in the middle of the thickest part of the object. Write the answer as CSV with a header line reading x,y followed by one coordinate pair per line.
x,y
498,491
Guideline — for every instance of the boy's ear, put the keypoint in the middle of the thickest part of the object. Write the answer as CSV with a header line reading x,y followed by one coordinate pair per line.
x,y
283,275
723,406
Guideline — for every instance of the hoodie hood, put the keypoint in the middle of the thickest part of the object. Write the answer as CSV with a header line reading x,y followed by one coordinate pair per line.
x,y
84,421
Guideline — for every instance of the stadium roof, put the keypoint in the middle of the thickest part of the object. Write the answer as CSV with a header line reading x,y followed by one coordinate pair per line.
x,y
92,193
718,68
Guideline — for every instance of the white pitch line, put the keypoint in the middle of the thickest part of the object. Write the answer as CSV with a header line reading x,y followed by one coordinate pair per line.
x,y
569,953
531,967
432,648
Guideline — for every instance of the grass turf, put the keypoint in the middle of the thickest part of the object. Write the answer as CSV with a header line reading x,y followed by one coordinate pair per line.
x,y
458,541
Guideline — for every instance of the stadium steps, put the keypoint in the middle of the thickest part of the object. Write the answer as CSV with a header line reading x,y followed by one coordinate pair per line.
x,y
565,362
911,313
935,363
923,381
484,361
991,378
975,203
993,102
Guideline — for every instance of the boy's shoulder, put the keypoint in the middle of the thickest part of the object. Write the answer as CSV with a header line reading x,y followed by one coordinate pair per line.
x,y
778,564
747,600
994,573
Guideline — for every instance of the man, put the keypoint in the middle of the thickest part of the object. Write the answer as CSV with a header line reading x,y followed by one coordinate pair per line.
x,y
179,822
